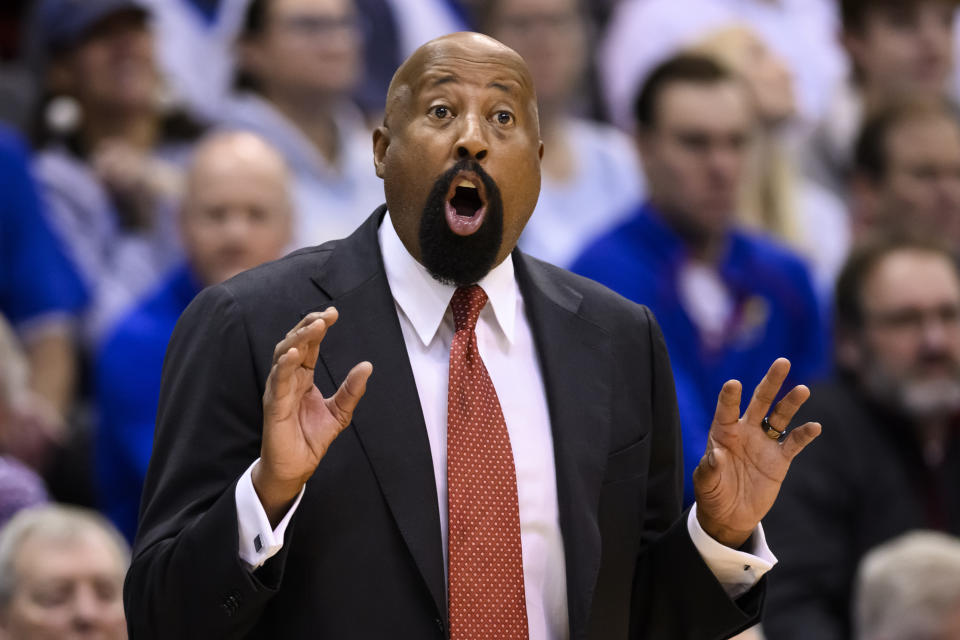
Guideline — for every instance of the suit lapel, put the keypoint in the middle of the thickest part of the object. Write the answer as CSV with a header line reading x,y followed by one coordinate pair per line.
x,y
577,367
389,420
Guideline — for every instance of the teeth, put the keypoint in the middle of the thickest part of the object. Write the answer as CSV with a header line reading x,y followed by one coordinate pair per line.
x,y
467,184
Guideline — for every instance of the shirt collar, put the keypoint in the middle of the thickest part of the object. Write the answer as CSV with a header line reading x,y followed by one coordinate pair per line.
x,y
425,300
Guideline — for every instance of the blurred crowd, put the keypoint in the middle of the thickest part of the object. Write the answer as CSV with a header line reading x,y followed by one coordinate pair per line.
x,y
771,177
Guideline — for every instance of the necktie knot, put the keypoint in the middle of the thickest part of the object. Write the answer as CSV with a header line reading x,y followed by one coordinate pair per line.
x,y
466,305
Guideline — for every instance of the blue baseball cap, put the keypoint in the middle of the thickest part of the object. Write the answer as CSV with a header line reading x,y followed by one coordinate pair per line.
x,y
62,24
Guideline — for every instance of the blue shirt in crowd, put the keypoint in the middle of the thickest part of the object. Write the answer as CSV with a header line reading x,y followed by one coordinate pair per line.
x,y
127,368
774,313
36,278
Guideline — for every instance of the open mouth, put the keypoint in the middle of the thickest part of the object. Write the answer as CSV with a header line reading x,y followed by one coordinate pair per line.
x,y
466,204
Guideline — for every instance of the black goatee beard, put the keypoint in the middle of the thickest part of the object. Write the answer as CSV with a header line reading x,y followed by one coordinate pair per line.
x,y
454,259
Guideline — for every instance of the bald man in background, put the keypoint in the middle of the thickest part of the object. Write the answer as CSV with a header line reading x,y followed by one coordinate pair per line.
x,y
236,214
265,517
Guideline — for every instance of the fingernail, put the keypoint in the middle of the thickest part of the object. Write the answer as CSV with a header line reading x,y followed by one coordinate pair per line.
x,y
711,459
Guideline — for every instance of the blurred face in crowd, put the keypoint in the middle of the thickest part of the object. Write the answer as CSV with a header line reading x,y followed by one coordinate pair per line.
x,y
307,46
113,69
237,211
551,37
920,189
694,155
905,48
66,589
459,154
766,74
909,350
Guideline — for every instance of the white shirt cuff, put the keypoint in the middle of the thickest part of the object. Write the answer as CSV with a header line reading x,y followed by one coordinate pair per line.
x,y
258,542
737,571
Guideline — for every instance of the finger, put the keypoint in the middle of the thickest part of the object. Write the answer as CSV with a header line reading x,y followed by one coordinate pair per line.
x,y
281,383
329,315
728,403
345,400
799,438
306,338
707,475
787,407
766,391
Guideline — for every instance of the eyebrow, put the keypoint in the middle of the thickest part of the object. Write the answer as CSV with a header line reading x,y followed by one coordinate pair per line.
x,y
502,87
444,79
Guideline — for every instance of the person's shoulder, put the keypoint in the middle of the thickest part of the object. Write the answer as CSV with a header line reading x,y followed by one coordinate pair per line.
x,y
599,304
621,256
772,253
277,279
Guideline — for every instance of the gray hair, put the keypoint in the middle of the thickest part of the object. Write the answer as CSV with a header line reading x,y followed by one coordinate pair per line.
x,y
51,522
907,587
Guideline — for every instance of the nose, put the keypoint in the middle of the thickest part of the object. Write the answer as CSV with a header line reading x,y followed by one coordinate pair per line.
x,y
471,141
237,225
87,610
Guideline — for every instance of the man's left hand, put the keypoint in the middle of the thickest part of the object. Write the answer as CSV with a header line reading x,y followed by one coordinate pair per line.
x,y
740,474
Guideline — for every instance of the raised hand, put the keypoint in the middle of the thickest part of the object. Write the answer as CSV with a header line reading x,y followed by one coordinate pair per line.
x,y
299,424
740,474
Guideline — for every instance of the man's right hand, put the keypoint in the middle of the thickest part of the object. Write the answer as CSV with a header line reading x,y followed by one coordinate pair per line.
x,y
299,424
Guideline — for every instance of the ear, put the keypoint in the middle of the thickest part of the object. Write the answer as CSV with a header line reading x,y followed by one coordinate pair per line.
x,y
381,141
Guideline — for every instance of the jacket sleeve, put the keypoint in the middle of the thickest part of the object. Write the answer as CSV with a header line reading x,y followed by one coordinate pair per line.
x,y
675,595
186,579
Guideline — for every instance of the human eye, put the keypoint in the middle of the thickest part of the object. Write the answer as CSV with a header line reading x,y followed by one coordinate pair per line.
x,y
503,118
441,112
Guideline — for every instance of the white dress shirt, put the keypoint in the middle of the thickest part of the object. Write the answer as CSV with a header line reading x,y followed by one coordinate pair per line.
x,y
506,346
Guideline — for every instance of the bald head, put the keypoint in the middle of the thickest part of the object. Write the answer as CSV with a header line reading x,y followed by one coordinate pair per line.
x,y
237,211
475,48
459,153
227,152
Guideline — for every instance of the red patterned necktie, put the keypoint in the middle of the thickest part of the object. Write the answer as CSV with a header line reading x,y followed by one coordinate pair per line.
x,y
486,563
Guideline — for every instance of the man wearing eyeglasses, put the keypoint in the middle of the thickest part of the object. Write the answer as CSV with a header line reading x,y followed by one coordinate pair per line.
x,y
889,460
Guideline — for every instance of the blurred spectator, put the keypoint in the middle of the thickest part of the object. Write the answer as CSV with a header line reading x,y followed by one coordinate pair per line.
x,y
299,63
107,167
590,173
40,293
776,197
236,215
643,33
729,302
187,31
420,21
909,589
907,171
888,460
24,430
30,429
61,576
898,49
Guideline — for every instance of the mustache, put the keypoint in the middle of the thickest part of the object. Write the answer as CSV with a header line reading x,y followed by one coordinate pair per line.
x,y
442,184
